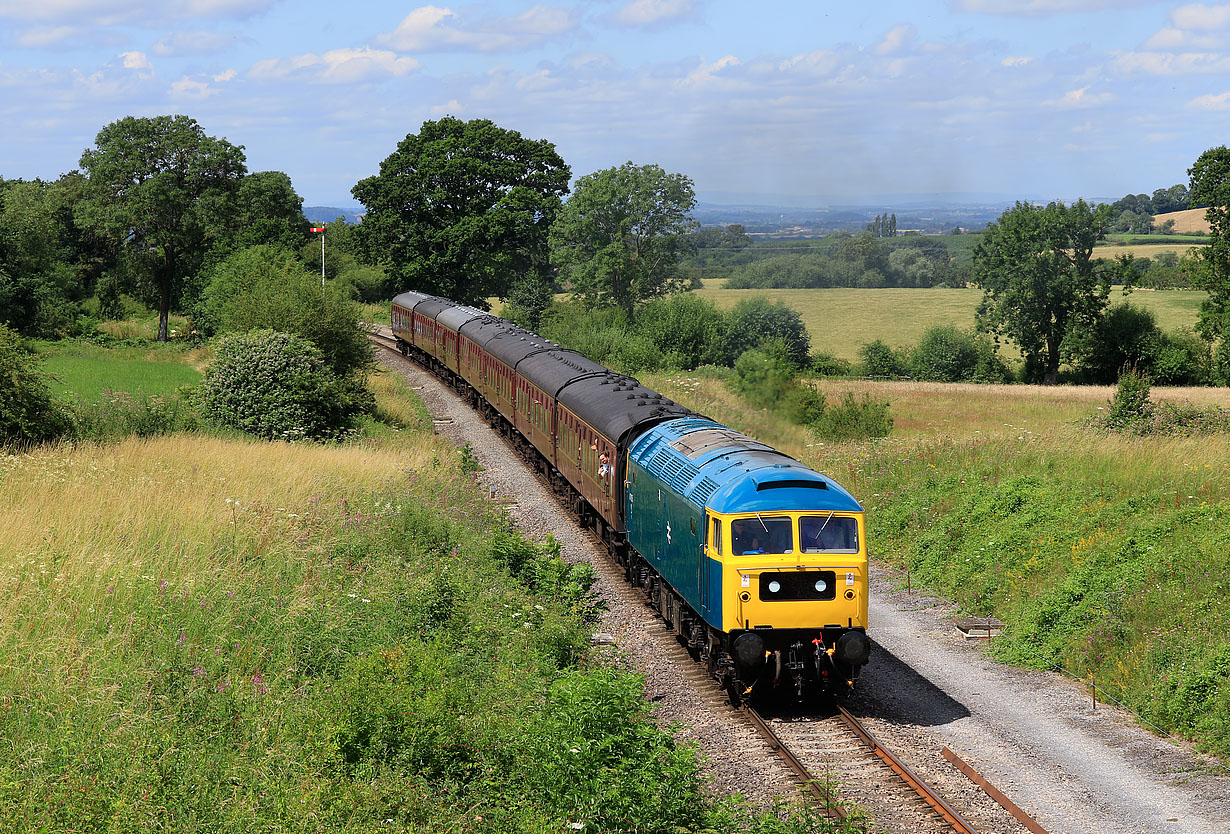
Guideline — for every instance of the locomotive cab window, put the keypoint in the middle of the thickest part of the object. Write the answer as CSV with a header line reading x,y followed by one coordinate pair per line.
x,y
762,534
828,533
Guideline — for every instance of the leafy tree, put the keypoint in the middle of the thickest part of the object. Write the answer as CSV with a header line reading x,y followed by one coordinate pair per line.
x,y
881,360
947,354
622,234
27,412
1038,277
1210,265
685,327
462,209
159,185
754,321
268,211
263,287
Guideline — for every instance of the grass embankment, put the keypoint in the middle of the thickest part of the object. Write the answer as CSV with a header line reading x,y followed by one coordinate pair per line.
x,y
1106,555
202,633
840,321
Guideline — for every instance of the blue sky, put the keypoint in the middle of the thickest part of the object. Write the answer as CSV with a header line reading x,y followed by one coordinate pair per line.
x,y
818,101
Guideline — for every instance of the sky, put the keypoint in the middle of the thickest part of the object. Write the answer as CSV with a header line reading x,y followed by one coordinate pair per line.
x,y
803,102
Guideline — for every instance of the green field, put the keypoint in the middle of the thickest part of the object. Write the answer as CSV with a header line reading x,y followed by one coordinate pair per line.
x,y
841,320
87,370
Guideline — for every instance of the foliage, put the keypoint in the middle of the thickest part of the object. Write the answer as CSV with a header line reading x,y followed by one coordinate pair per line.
x,y
278,387
867,260
528,299
266,288
27,412
946,354
1128,336
1210,265
603,335
120,414
157,186
854,418
754,321
461,209
1036,270
621,236
1107,558
825,364
685,327
267,212
764,379
879,360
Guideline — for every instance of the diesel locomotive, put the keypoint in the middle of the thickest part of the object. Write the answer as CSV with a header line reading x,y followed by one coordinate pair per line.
x,y
756,561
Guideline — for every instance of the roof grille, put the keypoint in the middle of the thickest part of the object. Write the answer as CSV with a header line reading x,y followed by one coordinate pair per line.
x,y
795,484
704,489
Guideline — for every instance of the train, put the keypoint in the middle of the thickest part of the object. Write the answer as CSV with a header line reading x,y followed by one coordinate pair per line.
x,y
755,561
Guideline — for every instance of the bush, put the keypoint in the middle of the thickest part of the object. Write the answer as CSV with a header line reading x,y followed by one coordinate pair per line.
x,y
685,328
120,414
1130,409
826,364
266,288
28,414
754,321
946,354
1126,335
853,419
277,386
881,360
763,379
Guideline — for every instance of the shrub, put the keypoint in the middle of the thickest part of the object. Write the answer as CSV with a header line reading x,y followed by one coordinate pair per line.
x,y
881,360
277,386
1125,335
28,414
826,364
686,328
853,419
1130,409
120,414
763,379
946,354
266,288
528,300
753,321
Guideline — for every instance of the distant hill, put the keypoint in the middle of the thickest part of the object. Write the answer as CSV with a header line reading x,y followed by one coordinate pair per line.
x,y
327,214
1185,222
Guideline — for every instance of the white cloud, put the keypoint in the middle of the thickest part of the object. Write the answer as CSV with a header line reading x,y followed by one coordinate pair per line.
x,y
189,89
1079,99
1171,64
708,72
194,42
452,108
136,60
1016,61
1029,8
894,39
1201,17
225,75
144,12
43,36
436,29
337,66
1220,102
653,12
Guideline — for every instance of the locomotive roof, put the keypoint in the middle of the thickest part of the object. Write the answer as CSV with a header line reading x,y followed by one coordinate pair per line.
x,y
554,369
615,404
729,472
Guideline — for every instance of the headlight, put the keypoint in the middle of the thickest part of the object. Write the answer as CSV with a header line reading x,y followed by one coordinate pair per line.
x,y
775,586
821,586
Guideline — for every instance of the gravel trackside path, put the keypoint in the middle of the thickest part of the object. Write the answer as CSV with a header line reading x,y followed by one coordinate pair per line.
x,y
1033,735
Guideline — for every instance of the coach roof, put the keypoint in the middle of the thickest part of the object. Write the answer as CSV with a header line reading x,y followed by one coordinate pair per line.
x,y
615,404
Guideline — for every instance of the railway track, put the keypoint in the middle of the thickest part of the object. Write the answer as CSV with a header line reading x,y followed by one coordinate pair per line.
x,y
831,757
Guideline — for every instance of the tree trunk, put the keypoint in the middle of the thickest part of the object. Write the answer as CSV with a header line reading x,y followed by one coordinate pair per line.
x,y
164,311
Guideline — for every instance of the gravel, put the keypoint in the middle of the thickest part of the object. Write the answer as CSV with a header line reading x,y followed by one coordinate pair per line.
x,y
1033,735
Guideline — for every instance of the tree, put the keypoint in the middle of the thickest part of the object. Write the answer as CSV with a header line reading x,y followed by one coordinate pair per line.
x,y
1038,278
622,234
28,414
159,185
462,209
1210,265
268,211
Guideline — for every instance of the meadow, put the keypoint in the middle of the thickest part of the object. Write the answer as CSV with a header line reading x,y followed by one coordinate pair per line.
x,y
1107,556
840,321
85,369
203,632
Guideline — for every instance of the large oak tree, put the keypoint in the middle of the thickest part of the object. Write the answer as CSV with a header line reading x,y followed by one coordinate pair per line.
x,y
461,209
622,234
1036,269
160,187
